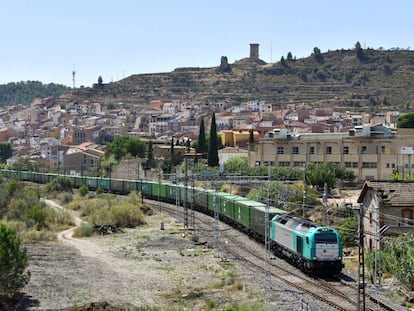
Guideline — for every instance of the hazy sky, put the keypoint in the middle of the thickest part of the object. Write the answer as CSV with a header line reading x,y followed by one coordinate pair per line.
x,y
45,40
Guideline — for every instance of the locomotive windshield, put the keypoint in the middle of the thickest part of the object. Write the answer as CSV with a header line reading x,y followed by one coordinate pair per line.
x,y
326,238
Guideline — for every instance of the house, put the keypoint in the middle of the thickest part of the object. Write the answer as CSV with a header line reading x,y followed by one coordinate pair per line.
x,y
227,153
80,159
388,210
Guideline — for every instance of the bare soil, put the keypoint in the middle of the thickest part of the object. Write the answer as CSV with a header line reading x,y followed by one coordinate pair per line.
x,y
142,267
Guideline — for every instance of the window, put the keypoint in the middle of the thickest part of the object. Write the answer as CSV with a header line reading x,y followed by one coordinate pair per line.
x,y
363,149
298,164
328,238
311,150
346,150
295,150
284,163
407,213
328,150
280,150
369,164
351,164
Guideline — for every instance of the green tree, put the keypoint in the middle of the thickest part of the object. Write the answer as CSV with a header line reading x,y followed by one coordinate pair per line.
x,y
172,151
124,145
397,259
13,263
349,232
318,55
100,81
188,146
317,174
359,52
289,56
212,157
5,151
406,120
237,165
135,147
201,146
25,92
150,156
22,164
283,61
251,139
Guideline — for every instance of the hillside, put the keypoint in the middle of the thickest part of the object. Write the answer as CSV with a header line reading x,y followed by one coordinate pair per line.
x,y
25,92
341,79
378,80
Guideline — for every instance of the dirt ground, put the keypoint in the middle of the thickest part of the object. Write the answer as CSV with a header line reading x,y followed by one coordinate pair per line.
x,y
143,267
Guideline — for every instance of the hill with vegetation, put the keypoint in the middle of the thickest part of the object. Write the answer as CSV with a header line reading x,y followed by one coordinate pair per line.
x,y
25,92
357,79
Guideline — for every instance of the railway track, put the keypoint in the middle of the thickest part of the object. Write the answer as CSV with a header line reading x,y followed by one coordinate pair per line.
x,y
333,294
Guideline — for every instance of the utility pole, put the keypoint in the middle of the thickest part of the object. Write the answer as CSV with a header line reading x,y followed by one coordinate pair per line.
x,y
216,222
268,279
185,194
304,192
361,263
325,203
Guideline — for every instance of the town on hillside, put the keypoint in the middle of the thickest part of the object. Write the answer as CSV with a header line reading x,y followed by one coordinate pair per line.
x,y
71,136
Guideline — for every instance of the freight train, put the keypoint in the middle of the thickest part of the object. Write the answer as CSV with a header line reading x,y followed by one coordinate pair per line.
x,y
313,248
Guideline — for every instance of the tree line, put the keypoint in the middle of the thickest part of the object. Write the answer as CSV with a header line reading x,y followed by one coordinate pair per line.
x,y
25,92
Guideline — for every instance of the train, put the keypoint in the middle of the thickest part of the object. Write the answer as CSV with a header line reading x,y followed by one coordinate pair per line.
x,y
313,248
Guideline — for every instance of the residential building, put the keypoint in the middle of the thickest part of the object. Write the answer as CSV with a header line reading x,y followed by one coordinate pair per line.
x,y
388,210
372,152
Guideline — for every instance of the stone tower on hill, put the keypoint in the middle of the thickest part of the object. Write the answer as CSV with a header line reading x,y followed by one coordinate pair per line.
x,y
254,50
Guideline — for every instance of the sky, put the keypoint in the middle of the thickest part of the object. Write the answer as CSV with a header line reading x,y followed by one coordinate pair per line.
x,y
48,40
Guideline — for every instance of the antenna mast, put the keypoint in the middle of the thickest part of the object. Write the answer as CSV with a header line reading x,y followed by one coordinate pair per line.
x,y
73,77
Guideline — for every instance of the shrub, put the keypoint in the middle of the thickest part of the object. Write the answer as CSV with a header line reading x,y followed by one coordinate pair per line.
x,y
60,184
34,235
37,214
13,263
83,190
85,230
122,215
65,197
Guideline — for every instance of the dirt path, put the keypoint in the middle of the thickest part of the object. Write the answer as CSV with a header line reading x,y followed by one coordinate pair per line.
x,y
142,267
87,248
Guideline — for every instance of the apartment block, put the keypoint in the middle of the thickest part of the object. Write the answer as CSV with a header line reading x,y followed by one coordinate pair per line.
x,y
373,152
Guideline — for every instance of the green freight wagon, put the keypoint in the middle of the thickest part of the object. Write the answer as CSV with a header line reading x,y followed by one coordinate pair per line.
x,y
226,203
187,194
201,197
147,188
131,186
242,212
91,182
173,192
257,215
159,189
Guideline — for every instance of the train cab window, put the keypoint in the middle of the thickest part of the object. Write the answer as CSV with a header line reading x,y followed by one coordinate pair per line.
x,y
307,240
325,238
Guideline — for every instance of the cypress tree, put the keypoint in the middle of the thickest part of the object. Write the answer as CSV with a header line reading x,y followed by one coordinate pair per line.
x,y
201,147
150,155
251,140
212,157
